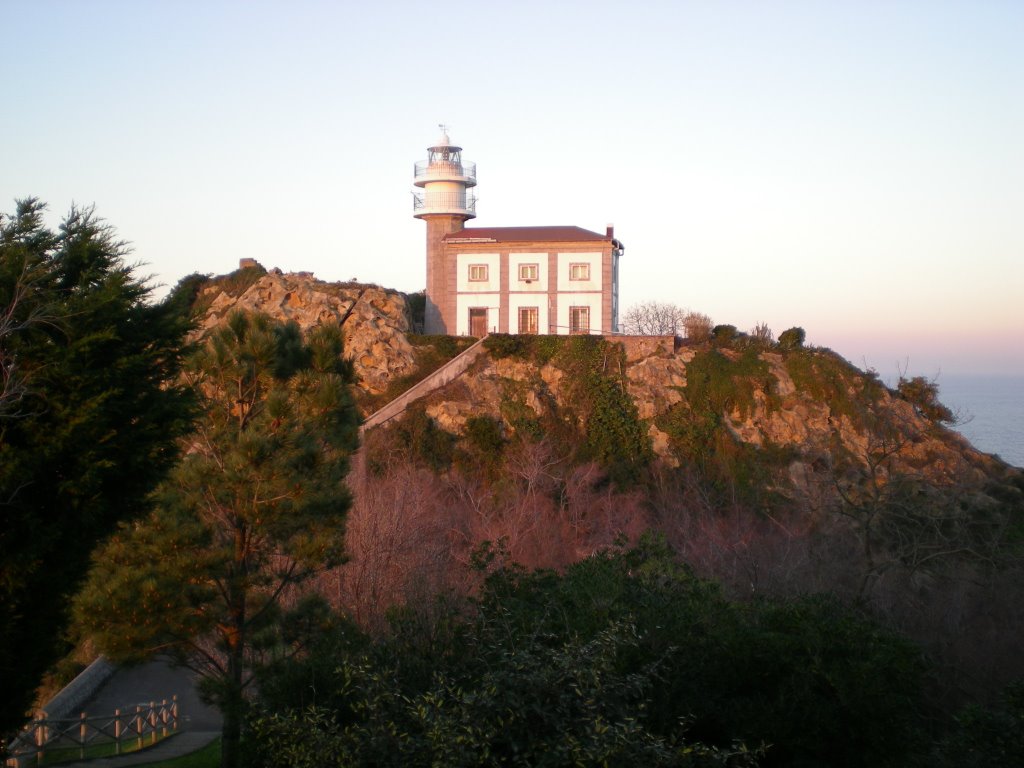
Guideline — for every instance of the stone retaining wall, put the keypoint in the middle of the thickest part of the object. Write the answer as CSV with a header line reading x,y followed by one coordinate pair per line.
x,y
72,697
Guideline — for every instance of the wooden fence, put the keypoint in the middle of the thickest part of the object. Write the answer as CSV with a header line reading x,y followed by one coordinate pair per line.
x,y
126,728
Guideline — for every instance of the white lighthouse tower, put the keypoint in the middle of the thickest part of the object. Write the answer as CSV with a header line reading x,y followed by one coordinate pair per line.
x,y
445,201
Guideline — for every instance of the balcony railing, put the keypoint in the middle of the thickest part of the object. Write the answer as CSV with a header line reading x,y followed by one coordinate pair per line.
x,y
443,201
445,169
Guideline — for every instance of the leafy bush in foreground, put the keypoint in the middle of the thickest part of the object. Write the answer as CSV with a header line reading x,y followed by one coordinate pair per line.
x,y
626,659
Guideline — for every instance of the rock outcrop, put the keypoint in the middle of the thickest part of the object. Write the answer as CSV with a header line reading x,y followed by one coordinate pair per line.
x,y
375,320
789,420
777,411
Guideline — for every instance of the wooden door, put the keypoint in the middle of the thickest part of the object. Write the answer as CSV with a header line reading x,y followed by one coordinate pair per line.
x,y
478,321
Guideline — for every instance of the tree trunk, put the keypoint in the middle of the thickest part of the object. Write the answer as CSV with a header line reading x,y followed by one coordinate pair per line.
x,y
231,736
231,730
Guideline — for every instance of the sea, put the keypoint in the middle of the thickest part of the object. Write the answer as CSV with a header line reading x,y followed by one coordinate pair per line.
x,y
991,412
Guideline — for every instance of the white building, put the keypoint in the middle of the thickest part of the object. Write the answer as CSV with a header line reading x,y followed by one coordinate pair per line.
x,y
508,279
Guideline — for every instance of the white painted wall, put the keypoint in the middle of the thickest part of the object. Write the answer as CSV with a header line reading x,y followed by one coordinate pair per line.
x,y
516,259
565,284
490,285
464,301
566,300
445,195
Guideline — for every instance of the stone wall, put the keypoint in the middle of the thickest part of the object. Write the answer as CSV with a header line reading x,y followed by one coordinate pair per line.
x,y
69,701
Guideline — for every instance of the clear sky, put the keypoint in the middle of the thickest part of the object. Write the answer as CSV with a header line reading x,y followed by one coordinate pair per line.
x,y
855,168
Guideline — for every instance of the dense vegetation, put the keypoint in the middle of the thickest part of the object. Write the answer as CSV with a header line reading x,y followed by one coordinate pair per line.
x,y
503,602
878,533
626,658
89,418
255,508
610,432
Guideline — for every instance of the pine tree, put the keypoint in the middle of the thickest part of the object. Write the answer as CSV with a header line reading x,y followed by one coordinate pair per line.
x,y
89,422
255,507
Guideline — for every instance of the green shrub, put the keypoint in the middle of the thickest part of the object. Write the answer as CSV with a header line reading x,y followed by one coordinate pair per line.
x,y
724,335
924,396
484,433
793,338
984,737
415,437
501,345
417,304
436,347
717,383
481,450
613,434
184,295
625,659
597,400
827,378
519,416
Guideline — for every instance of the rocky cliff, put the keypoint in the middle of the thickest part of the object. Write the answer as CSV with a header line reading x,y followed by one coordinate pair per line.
x,y
800,410
376,320
805,412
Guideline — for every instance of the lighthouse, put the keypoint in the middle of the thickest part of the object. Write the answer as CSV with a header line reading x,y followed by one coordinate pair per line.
x,y
480,280
445,201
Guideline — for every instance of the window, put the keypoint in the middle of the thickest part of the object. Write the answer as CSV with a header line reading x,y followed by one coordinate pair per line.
x,y
579,319
478,273
528,272
579,271
528,319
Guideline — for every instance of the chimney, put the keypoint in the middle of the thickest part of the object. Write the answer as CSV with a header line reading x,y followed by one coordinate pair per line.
x,y
609,231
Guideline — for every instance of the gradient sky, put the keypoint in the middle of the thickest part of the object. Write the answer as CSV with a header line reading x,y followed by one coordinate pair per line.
x,y
855,168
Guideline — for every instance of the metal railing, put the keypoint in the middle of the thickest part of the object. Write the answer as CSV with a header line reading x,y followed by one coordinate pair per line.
x,y
444,201
444,169
140,724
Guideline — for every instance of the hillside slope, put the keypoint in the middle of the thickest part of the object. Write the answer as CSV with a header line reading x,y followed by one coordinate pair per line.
x,y
803,413
773,468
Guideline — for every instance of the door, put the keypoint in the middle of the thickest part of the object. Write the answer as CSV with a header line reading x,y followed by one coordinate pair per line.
x,y
478,321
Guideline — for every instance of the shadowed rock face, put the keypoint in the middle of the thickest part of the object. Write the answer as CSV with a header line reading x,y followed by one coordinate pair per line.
x,y
375,320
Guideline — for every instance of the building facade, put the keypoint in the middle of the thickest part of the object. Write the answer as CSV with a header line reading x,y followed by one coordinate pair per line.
x,y
548,280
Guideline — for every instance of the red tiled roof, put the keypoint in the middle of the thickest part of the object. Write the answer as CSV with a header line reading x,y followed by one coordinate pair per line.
x,y
524,235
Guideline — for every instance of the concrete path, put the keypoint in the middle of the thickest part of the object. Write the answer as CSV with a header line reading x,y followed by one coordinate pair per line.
x,y
155,681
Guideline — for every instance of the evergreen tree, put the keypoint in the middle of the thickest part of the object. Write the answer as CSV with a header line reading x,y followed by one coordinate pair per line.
x,y
88,422
256,506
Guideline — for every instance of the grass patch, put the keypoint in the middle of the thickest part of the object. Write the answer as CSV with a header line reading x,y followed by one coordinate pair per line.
x,y
58,755
207,757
